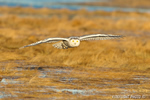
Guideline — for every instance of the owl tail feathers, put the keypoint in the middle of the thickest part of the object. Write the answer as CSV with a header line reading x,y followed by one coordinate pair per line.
x,y
60,45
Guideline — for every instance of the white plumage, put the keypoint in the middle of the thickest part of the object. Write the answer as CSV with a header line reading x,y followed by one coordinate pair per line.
x,y
71,42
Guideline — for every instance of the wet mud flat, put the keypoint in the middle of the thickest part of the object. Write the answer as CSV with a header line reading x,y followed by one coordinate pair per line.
x,y
28,81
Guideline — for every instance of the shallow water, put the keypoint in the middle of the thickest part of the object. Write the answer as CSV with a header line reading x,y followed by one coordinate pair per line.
x,y
60,4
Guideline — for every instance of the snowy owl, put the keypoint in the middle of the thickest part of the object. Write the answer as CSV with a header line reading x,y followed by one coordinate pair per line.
x,y
70,42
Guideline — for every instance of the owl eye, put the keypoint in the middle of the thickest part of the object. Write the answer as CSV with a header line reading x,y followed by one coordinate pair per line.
x,y
77,41
72,40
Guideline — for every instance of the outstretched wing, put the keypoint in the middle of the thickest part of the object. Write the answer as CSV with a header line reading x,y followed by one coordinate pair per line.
x,y
99,37
48,40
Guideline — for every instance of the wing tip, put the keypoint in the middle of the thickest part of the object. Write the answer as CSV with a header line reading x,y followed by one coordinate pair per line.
x,y
117,36
22,47
122,36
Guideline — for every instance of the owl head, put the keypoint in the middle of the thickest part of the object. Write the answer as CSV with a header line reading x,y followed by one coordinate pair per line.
x,y
74,42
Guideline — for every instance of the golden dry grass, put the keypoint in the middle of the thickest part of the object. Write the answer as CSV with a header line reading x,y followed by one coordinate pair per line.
x,y
100,65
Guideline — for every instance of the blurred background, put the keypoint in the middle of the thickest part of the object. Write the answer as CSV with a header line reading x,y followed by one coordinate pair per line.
x,y
96,70
91,5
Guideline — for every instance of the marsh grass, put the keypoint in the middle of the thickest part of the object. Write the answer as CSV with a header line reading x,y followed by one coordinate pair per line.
x,y
102,65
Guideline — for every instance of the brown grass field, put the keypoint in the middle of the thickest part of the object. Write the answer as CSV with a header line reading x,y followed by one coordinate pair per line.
x,y
108,69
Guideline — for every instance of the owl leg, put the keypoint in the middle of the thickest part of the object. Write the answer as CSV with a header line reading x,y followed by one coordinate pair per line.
x,y
64,46
60,45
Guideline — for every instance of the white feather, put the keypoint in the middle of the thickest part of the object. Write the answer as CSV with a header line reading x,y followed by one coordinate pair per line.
x,y
98,37
48,40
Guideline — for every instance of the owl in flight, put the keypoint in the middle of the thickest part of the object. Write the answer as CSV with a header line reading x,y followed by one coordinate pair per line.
x,y
71,42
